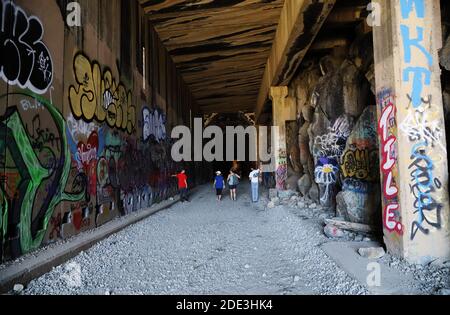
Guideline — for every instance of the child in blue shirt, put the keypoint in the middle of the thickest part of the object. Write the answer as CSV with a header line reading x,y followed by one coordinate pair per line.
x,y
219,184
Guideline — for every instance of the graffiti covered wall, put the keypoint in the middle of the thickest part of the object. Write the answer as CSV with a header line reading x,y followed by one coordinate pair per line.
x,y
337,136
79,146
414,167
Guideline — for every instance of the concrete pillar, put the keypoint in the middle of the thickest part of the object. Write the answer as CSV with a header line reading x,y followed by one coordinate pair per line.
x,y
258,143
411,129
283,109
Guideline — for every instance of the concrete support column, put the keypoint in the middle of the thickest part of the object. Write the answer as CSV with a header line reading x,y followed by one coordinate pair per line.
x,y
258,144
411,129
283,109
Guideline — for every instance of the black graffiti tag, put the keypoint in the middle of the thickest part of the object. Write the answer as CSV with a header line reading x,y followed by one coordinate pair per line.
x,y
423,185
25,60
42,137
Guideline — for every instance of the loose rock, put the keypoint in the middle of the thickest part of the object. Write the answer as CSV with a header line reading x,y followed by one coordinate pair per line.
x,y
333,232
372,252
18,288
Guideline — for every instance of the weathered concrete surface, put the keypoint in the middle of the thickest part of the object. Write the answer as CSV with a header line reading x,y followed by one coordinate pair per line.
x,y
345,254
299,24
284,109
416,213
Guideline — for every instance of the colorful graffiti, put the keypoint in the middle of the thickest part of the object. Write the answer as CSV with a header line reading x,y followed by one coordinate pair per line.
x,y
96,170
419,125
360,160
326,173
387,129
421,75
25,61
358,164
332,144
422,125
65,174
30,217
98,97
153,125
282,170
423,185
327,150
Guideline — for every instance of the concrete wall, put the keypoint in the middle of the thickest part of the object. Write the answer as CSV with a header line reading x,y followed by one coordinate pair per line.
x,y
85,137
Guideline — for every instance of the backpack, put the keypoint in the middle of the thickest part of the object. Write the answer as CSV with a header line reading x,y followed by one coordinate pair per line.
x,y
233,180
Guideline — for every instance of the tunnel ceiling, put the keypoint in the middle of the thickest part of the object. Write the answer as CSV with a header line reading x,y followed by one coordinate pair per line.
x,y
220,46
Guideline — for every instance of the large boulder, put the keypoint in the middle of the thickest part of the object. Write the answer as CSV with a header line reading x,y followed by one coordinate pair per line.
x,y
333,232
314,193
303,139
444,55
330,142
359,200
359,206
342,206
304,184
308,113
446,97
330,98
292,182
370,76
327,149
355,89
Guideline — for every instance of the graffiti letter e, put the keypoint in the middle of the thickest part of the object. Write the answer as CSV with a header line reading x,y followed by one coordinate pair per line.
x,y
73,14
374,18
374,277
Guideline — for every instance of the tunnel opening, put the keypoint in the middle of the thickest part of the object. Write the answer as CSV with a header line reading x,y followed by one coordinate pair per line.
x,y
239,159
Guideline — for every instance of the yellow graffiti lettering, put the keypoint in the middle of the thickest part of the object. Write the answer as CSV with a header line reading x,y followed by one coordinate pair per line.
x,y
99,97
357,165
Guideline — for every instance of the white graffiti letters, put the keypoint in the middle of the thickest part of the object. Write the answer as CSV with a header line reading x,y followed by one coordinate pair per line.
x,y
418,127
154,124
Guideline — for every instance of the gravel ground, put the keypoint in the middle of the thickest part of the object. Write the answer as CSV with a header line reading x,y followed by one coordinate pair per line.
x,y
207,247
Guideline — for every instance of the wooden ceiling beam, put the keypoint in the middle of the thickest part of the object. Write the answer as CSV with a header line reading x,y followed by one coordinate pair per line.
x,y
300,22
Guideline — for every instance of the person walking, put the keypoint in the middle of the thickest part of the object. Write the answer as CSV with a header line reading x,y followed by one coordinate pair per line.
x,y
254,179
233,181
219,184
182,185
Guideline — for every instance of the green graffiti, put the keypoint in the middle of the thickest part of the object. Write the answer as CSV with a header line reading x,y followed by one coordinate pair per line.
x,y
33,174
3,217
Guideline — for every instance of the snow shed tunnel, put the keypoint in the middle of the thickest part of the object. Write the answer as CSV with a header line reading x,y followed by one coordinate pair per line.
x,y
86,117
